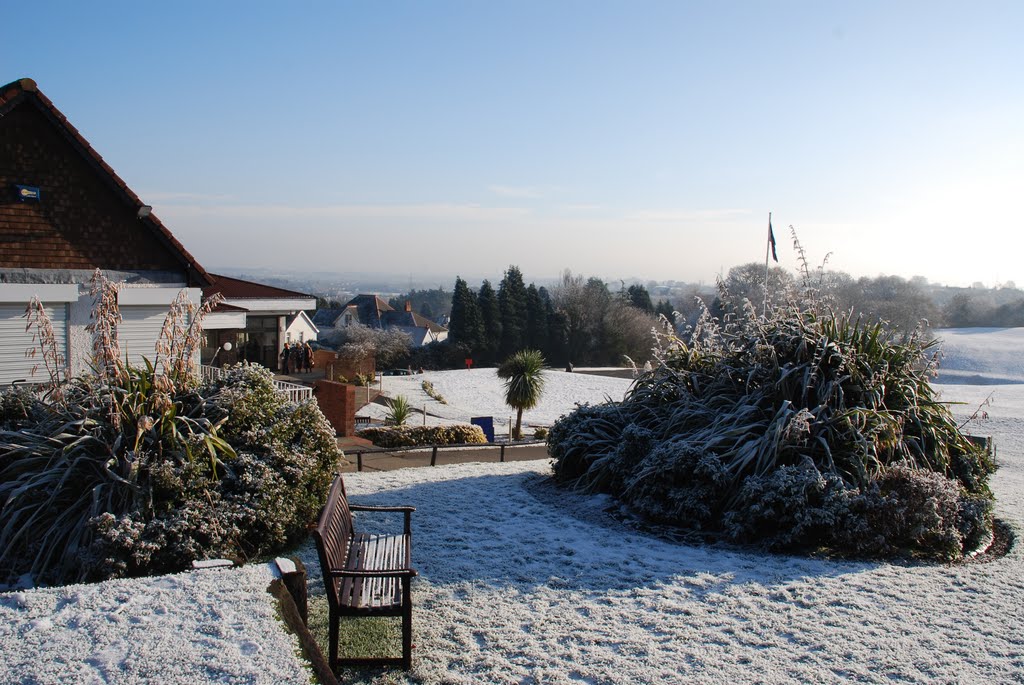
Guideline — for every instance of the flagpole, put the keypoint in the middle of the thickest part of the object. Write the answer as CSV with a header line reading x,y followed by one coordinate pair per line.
x,y
767,250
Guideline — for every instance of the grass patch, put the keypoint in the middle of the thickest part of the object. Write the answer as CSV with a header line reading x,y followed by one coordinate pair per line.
x,y
370,637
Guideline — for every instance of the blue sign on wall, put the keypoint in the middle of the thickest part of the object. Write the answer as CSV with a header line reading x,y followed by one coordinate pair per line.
x,y
28,193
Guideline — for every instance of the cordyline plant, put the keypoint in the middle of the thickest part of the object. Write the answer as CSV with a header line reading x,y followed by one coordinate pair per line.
x,y
523,373
399,411
791,430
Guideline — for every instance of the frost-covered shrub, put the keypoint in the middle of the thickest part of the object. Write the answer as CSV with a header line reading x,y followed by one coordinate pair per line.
x,y
432,392
801,429
676,481
634,445
15,405
131,476
408,436
907,509
576,440
793,507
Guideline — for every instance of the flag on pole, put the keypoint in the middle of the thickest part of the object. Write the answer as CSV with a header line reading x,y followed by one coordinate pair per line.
x,y
771,240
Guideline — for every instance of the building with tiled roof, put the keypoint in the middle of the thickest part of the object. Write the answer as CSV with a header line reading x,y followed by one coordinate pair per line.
x,y
375,312
64,213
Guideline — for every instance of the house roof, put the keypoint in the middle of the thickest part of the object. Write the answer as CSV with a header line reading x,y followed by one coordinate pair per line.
x,y
225,307
25,93
302,315
236,288
326,316
411,319
370,308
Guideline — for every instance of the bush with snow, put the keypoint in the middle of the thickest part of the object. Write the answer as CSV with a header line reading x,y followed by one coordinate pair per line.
x,y
133,476
413,436
802,430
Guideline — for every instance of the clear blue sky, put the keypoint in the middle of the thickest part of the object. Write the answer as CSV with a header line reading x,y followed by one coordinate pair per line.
x,y
616,139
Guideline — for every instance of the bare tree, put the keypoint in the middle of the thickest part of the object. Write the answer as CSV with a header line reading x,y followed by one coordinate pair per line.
x,y
358,342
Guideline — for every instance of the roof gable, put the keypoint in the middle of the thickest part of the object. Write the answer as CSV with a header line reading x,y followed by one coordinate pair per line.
x,y
371,309
236,288
86,217
301,317
326,316
411,320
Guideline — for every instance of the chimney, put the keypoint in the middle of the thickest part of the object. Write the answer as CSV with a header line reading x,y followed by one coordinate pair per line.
x,y
408,305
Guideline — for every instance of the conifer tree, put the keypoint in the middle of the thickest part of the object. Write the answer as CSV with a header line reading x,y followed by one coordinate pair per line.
x,y
555,349
490,313
639,297
466,327
536,319
512,303
664,307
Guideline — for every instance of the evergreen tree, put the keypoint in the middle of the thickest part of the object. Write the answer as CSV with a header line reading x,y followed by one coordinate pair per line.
x,y
466,327
664,308
638,297
536,319
512,303
554,350
437,301
490,313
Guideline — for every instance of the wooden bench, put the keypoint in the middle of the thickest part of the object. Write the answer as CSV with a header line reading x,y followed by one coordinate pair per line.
x,y
364,575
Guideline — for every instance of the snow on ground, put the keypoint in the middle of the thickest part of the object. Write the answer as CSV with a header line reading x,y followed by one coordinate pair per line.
x,y
479,392
211,626
521,583
981,356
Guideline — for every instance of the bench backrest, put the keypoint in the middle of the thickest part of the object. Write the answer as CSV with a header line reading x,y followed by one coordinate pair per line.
x,y
334,531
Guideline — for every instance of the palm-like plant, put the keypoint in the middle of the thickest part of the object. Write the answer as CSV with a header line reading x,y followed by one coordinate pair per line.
x,y
524,382
398,411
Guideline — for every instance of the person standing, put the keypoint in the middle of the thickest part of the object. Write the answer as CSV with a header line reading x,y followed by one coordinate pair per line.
x,y
286,354
307,356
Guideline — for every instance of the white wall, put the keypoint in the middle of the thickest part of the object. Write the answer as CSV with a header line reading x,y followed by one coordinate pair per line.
x,y
79,311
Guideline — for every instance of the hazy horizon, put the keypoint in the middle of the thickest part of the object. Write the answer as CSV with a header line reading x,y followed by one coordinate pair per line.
x,y
611,139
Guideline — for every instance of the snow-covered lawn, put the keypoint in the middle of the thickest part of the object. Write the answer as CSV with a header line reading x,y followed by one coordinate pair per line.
x,y
479,392
520,583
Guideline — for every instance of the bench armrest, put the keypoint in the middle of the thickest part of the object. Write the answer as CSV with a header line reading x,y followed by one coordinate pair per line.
x,y
376,573
404,510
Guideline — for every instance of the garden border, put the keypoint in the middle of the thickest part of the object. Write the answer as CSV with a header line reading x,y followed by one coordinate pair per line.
x,y
360,451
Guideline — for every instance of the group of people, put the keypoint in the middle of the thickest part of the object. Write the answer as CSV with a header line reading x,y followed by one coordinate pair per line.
x,y
298,359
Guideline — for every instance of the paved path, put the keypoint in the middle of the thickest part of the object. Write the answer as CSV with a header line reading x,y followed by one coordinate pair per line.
x,y
387,461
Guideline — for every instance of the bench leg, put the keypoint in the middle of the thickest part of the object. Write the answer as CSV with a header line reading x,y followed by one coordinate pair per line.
x,y
406,624
332,640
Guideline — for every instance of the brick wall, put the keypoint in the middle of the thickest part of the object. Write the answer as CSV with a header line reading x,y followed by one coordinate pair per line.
x,y
338,403
336,369
80,222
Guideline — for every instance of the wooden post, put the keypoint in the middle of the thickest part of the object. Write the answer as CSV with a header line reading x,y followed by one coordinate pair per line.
x,y
293,574
359,461
433,456
502,453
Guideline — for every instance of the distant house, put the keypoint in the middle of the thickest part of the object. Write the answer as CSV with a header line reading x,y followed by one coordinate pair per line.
x,y
270,317
63,214
300,328
374,312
